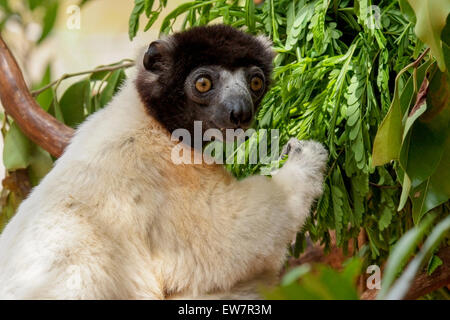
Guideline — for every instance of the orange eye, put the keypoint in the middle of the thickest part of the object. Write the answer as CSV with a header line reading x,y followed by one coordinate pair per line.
x,y
256,83
203,85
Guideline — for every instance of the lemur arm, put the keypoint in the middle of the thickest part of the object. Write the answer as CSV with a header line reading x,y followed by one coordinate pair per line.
x,y
263,214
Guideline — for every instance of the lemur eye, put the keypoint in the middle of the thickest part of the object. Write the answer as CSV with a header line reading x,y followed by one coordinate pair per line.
x,y
256,83
203,84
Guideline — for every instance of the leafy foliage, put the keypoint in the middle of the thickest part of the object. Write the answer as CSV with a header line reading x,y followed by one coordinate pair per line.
x,y
26,163
430,19
334,82
323,283
402,251
41,12
81,99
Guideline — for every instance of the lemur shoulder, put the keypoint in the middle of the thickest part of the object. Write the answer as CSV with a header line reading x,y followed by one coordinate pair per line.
x,y
117,219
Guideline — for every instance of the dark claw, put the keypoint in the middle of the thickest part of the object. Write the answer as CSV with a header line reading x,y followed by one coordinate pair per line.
x,y
288,149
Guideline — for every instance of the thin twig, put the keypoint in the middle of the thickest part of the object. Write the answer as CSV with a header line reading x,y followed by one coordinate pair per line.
x,y
412,64
384,186
334,163
70,75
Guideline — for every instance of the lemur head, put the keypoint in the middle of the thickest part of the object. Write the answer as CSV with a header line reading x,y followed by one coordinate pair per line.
x,y
214,74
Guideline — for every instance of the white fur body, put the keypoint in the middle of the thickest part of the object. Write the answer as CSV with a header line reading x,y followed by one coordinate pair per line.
x,y
116,219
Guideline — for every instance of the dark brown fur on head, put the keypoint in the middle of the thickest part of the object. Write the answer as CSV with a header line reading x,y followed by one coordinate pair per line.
x,y
168,63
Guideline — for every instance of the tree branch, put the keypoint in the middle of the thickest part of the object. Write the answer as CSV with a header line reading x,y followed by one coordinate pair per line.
x,y
38,125
120,65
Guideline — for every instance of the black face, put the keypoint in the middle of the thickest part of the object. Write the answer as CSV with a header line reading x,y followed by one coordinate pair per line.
x,y
216,74
222,98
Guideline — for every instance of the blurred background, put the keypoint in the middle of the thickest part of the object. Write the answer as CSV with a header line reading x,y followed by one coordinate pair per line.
x,y
96,35
102,36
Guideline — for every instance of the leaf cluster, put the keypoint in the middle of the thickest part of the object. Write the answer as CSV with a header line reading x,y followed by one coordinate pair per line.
x,y
334,78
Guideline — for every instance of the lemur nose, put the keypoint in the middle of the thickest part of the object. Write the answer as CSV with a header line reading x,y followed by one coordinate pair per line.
x,y
241,113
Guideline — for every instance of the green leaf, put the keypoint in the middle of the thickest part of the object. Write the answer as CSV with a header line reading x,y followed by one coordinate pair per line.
x,y
133,23
405,101
318,30
407,10
55,110
385,219
266,121
40,164
401,253
434,263
99,75
408,93
113,84
435,190
413,116
8,210
423,141
45,98
33,4
49,19
427,132
290,15
406,189
17,149
445,36
341,207
250,15
152,19
324,201
402,285
431,16
324,283
302,18
74,103
4,5
148,7
294,274
178,11
300,245
388,141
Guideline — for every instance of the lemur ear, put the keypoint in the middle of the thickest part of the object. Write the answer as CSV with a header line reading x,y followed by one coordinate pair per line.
x,y
154,57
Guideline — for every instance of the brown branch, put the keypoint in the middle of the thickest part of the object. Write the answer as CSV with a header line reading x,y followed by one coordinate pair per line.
x,y
38,125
